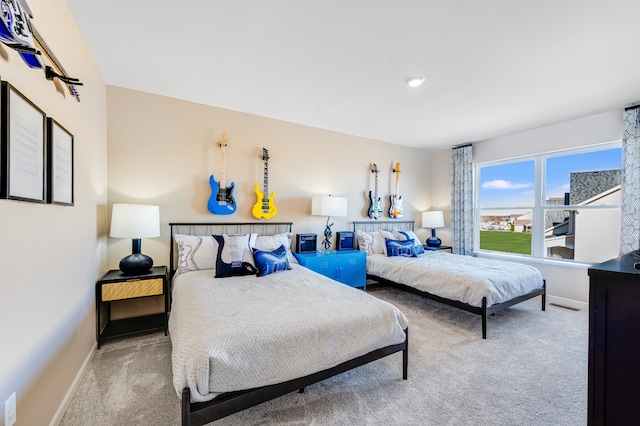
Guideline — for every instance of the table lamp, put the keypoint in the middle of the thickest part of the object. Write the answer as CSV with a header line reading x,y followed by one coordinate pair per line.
x,y
135,221
433,219
326,205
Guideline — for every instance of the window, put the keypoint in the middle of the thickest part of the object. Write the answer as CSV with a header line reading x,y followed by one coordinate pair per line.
x,y
560,205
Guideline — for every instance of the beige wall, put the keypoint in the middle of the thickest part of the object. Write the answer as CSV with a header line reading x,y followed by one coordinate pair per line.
x,y
52,254
162,151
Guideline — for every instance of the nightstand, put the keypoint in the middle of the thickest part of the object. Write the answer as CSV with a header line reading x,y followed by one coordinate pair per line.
x,y
345,266
114,285
449,248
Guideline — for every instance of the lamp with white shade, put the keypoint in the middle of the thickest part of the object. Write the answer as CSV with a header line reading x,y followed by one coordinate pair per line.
x,y
433,219
326,205
135,221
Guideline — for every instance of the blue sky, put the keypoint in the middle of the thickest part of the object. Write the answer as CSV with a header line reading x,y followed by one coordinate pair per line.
x,y
513,184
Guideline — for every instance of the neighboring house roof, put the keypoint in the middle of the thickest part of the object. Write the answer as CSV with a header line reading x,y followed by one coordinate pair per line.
x,y
601,195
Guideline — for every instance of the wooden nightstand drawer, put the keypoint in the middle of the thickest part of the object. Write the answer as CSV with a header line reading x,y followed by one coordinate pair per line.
x,y
132,289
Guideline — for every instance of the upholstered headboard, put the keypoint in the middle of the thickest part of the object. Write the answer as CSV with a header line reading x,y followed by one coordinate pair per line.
x,y
191,228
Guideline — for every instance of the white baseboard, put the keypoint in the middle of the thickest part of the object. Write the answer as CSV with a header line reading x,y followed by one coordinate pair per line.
x,y
57,418
567,303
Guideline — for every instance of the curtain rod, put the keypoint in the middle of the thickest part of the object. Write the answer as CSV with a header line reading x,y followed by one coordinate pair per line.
x,y
462,146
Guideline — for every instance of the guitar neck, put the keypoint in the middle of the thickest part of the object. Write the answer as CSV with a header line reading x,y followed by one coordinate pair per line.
x,y
223,181
266,181
223,147
376,186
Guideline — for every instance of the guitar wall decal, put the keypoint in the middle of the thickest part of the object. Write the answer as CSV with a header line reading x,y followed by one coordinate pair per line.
x,y
221,200
375,208
264,207
396,211
15,30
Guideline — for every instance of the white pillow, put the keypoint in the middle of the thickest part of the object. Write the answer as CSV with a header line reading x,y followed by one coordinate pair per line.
x,y
196,252
365,242
272,242
379,241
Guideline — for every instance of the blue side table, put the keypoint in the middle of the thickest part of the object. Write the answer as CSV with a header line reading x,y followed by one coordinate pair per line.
x,y
345,266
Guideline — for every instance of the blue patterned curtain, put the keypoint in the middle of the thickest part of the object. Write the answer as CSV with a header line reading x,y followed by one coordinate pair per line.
x,y
462,200
630,208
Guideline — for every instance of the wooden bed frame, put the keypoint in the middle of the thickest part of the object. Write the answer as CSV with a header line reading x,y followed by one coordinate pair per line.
x,y
484,311
200,413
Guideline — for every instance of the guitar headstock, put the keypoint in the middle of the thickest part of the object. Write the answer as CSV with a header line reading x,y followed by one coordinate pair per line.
x,y
223,142
397,169
265,154
374,169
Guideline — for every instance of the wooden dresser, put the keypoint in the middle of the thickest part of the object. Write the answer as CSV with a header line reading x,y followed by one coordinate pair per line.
x,y
614,342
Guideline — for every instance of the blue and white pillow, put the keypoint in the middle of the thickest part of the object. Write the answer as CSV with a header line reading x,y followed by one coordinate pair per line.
x,y
234,256
411,236
269,262
400,248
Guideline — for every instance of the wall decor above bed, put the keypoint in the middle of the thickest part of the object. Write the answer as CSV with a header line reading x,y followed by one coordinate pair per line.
x,y
375,201
221,200
396,211
264,206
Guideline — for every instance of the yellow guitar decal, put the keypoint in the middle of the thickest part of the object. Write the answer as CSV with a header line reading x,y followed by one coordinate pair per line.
x,y
264,207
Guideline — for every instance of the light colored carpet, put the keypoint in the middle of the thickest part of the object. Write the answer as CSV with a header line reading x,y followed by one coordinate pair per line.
x,y
532,370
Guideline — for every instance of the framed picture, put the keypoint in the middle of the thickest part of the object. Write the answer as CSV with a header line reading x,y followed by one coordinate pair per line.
x,y
59,164
22,149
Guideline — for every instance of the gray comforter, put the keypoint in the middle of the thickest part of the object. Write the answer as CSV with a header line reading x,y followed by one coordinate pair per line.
x,y
455,277
243,332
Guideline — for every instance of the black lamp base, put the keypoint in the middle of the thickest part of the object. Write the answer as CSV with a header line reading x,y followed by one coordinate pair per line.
x,y
433,241
136,264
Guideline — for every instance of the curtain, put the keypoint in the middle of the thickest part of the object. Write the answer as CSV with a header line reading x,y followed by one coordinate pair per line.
x,y
630,208
462,199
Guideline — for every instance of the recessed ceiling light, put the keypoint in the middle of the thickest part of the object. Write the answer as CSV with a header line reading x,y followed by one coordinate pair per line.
x,y
415,81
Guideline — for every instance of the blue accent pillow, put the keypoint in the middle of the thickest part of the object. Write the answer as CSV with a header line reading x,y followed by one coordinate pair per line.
x,y
268,262
419,249
400,248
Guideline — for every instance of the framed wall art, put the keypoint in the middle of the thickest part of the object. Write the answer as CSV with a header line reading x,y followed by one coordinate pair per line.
x,y
22,149
59,164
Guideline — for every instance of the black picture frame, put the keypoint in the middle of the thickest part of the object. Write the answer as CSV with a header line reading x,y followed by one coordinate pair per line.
x,y
22,148
60,166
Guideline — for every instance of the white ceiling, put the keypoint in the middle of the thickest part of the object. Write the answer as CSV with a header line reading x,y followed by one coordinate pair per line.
x,y
492,67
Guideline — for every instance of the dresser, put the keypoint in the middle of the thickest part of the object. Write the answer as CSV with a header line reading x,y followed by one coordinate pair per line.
x,y
346,266
614,342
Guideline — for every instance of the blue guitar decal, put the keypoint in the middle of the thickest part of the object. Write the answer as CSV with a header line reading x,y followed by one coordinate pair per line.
x,y
15,30
221,200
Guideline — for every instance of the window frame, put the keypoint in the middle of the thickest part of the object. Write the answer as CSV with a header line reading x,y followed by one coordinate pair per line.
x,y
539,205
